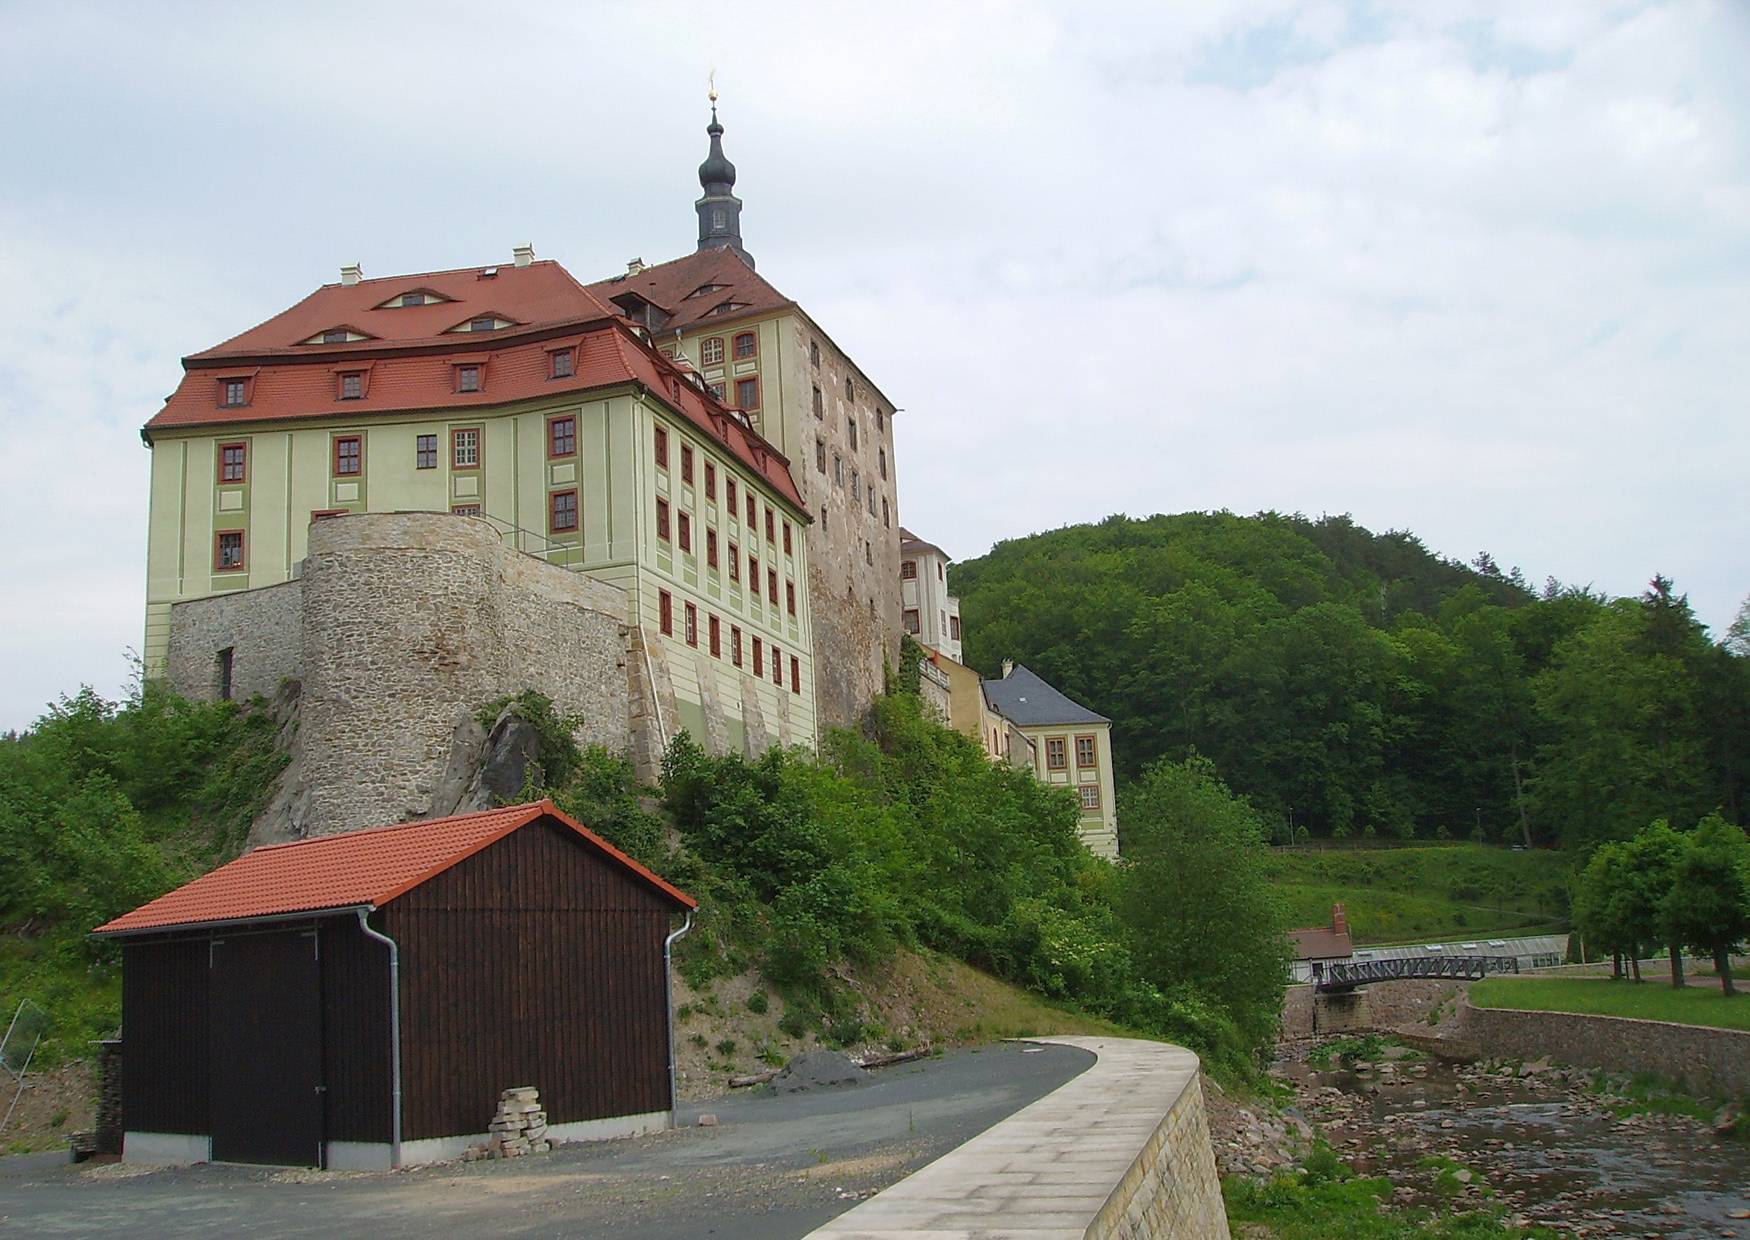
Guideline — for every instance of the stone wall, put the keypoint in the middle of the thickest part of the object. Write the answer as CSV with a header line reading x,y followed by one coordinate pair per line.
x,y
1172,1188
1714,1062
1385,1005
262,628
412,621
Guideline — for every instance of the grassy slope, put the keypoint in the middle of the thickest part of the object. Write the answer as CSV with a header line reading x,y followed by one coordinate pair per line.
x,y
1699,1003
1433,892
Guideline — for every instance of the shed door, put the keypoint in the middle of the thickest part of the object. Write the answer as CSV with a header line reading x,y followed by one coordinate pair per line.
x,y
266,1029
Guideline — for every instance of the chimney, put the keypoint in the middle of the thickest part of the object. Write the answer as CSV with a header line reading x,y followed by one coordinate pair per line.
x,y
1339,919
635,266
524,254
352,273
1008,666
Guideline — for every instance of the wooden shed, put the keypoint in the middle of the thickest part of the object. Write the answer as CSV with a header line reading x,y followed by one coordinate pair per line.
x,y
361,1000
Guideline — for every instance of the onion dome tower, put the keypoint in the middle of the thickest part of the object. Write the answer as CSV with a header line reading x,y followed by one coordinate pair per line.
x,y
719,209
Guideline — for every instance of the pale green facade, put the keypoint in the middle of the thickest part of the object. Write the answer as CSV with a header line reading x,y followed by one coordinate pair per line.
x,y
291,478
1099,822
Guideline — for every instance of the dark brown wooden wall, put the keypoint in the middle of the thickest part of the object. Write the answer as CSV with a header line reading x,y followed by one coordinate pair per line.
x,y
355,1033
164,1036
535,962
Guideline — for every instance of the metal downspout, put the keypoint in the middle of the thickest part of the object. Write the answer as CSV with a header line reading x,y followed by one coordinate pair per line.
x,y
668,993
395,1036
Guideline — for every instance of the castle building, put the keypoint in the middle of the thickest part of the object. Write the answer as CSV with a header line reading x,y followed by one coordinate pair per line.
x,y
758,350
928,611
1072,747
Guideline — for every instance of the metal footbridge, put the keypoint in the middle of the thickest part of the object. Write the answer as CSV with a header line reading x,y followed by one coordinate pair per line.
x,y
1348,974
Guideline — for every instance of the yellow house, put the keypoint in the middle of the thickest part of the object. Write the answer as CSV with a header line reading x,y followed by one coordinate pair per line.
x,y
1072,748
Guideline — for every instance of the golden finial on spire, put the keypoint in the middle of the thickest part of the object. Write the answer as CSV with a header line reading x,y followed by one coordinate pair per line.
x,y
711,86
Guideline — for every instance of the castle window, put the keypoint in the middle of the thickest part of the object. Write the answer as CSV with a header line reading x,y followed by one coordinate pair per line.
x,y
759,658
412,299
908,570
348,456
234,393
465,448
819,402
753,576
692,625
562,436
777,666
747,392
1090,794
336,335
814,354
425,452
715,627
886,522
467,378
787,550
661,442
233,462
850,389
734,562
717,392
772,585
711,352
856,485
941,571
465,510
954,628
880,420
352,386
719,219
662,519
228,551
795,674
486,324
686,531
222,664
665,612
710,548
1056,756
868,552
911,620
686,462
735,644
790,597
881,455
750,514
771,531
562,512
1085,748
838,469
871,499
746,345
710,481
729,495
851,428
563,364
820,455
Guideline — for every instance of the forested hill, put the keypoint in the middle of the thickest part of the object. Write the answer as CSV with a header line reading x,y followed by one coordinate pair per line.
x,y
1351,682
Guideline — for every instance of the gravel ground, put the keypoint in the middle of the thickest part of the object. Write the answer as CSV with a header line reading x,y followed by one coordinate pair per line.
x,y
772,1168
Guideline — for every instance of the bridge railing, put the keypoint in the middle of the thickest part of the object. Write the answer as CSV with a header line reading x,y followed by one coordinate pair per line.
x,y
1346,975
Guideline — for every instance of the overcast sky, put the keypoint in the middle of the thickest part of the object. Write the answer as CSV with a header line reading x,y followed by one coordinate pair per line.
x,y
1478,271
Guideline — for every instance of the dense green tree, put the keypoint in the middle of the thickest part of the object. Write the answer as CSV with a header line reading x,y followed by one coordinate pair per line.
x,y
1708,904
1602,910
1196,897
1652,857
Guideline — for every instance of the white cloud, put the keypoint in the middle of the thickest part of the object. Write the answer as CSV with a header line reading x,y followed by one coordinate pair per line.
x,y
1478,272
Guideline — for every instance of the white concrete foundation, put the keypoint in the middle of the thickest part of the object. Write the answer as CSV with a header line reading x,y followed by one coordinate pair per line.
x,y
166,1148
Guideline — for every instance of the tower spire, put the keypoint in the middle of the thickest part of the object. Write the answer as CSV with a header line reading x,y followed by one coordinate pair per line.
x,y
719,209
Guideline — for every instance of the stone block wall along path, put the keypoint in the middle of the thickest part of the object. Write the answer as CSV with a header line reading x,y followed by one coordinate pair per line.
x,y
1121,1152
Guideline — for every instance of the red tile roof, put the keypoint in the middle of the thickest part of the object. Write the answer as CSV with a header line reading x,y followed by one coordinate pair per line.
x,y
408,367
670,286
351,870
1321,943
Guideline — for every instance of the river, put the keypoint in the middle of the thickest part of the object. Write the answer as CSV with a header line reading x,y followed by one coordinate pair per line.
x,y
1548,1146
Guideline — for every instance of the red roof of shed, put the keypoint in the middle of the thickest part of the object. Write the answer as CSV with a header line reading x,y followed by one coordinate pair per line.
x,y
351,870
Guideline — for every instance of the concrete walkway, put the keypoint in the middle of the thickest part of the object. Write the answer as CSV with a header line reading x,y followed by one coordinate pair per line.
x,y
1052,1170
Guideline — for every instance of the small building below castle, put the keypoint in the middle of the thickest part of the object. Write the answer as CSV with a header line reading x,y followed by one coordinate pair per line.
x,y
1072,747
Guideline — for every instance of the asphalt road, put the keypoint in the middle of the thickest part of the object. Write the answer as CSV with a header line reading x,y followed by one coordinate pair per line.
x,y
774,1168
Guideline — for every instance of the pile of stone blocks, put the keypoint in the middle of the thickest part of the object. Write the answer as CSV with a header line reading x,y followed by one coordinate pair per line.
x,y
520,1127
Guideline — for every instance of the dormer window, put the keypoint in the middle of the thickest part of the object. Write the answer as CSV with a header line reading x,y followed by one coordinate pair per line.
x,y
336,335
413,297
562,364
352,386
703,289
484,323
468,378
727,307
233,393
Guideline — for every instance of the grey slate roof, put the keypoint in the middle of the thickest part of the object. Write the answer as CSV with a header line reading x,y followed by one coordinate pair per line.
x,y
1025,699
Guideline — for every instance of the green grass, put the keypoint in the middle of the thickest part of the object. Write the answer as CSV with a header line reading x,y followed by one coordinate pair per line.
x,y
1452,891
1699,1003
1317,1208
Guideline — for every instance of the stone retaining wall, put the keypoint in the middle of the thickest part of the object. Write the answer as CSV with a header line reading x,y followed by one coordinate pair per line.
x,y
1120,1152
1714,1062
1384,1005
262,628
